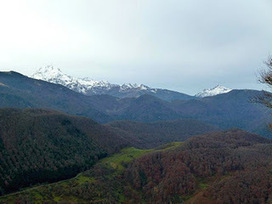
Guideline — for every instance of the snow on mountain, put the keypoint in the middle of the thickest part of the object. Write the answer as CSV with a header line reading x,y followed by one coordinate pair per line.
x,y
213,91
81,85
85,85
89,86
126,87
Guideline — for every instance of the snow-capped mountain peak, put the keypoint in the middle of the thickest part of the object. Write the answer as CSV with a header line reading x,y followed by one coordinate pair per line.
x,y
213,91
129,86
81,85
86,85
48,72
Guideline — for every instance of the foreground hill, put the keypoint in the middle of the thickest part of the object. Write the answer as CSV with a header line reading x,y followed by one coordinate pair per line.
x,y
223,167
43,146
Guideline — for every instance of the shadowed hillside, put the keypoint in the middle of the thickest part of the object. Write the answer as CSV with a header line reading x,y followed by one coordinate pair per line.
x,y
154,134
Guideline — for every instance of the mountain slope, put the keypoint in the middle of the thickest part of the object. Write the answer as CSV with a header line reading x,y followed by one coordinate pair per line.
x,y
229,110
148,108
233,109
92,87
211,168
20,91
39,145
154,134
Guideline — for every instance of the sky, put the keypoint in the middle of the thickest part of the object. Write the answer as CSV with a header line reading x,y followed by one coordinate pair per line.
x,y
182,45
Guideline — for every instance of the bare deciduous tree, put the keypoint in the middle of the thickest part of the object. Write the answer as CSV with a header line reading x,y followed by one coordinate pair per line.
x,y
266,78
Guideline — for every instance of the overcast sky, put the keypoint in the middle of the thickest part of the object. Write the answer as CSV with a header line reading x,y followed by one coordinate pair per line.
x,y
184,45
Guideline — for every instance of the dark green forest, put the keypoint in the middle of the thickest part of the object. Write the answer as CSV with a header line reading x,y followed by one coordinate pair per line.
x,y
45,146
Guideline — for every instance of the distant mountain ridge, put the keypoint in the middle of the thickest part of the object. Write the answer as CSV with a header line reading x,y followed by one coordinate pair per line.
x,y
89,86
213,91
19,91
233,109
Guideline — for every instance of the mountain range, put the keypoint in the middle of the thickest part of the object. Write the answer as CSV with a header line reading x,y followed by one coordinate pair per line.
x,y
89,86
232,109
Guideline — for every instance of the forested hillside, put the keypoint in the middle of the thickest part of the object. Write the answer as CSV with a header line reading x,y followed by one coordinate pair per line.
x,y
222,167
39,145
44,146
227,167
154,134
